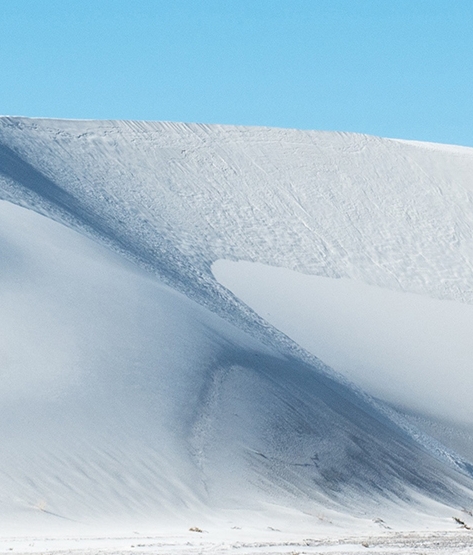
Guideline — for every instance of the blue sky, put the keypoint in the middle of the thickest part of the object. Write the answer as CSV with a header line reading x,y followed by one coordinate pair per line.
x,y
395,68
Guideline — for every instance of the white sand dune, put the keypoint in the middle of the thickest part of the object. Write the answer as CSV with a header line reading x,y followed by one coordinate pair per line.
x,y
138,390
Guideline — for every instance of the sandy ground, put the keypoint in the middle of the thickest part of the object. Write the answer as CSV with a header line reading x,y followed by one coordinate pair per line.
x,y
457,543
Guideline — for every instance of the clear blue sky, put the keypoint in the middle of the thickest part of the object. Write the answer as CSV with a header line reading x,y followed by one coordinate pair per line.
x,y
395,68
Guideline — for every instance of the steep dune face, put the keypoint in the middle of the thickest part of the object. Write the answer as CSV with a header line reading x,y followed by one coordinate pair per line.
x,y
386,212
125,400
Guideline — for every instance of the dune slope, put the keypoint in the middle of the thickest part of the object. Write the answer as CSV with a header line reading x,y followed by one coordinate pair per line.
x,y
138,387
